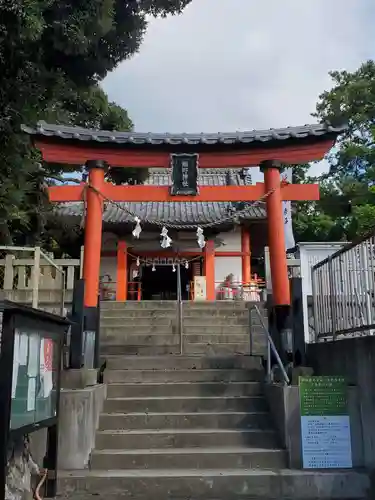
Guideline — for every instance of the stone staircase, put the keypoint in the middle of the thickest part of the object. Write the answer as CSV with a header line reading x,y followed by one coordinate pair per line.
x,y
193,426
208,328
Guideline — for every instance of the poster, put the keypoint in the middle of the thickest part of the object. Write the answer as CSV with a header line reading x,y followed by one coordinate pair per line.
x,y
33,361
46,360
16,363
31,393
199,288
325,423
24,348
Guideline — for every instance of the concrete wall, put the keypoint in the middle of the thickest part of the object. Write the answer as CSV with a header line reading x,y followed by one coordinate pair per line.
x,y
355,359
284,405
79,419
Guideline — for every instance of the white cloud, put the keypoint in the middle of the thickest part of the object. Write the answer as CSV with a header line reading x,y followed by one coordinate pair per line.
x,y
227,65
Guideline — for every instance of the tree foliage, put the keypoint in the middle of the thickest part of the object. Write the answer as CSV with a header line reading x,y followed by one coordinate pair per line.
x,y
346,209
53,55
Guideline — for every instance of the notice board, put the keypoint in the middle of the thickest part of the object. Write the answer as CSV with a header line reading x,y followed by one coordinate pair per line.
x,y
325,423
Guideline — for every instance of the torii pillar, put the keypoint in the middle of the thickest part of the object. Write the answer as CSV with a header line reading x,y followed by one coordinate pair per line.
x,y
280,306
276,235
93,235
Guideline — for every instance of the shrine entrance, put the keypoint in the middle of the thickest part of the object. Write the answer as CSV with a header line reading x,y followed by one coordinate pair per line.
x,y
161,282
183,155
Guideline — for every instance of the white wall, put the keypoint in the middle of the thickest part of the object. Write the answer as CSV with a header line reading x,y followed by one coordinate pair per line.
x,y
231,240
108,265
225,266
229,265
310,254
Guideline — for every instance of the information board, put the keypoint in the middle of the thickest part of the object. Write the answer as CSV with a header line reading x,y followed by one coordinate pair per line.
x,y
35,364
325,423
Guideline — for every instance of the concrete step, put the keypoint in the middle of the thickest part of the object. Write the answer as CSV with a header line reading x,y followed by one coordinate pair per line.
x,y
216,314
119,349
208,420
138,313
226,484
135,336
184,389
213,321
217,330
181,362
257,348
169,376
184,438
205,349
212,338
140,321
216,304
131,330
185,404
188,458
133,305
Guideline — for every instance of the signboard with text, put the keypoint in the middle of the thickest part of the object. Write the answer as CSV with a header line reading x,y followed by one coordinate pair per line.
x,y
200,292
325,423
184,174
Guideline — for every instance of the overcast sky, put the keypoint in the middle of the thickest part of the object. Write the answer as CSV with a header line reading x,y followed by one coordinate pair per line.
x,y
227,65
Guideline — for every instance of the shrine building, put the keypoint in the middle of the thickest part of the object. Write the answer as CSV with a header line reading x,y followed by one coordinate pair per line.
x,y
198,210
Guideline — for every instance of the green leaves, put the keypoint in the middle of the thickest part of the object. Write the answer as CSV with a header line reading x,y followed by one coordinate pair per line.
x,y
351,179
53,55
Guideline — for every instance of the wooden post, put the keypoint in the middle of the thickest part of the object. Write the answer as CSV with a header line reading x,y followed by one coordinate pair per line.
x,y
276,237
81,256
246,257
209,269
93,231
9,272
35,278
122,272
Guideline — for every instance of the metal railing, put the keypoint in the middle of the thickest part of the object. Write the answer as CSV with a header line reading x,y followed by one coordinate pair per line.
x,y
271,348
343,287
253,291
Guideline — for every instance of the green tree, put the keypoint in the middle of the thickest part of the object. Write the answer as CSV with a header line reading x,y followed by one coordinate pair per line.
x,y
53,55
346,209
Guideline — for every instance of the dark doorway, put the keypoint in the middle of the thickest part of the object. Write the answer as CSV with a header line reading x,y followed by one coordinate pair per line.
x,y
159,282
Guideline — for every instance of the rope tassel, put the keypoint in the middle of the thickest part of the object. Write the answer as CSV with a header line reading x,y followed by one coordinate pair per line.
x,y
200,238
165,239
138,229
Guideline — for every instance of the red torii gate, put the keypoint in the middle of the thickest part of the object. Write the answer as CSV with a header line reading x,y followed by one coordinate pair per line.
x,y
269,149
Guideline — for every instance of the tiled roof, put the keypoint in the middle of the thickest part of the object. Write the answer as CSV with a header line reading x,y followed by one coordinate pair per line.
x,y
175,212
138,138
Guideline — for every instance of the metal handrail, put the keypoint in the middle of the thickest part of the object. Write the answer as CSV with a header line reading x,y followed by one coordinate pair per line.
x,y
179,309
271,346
